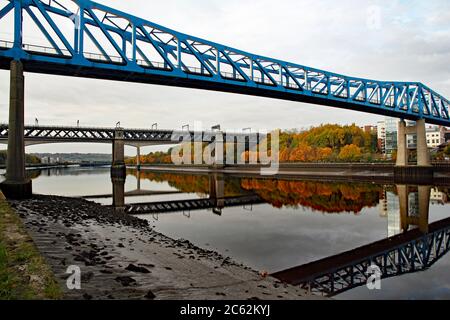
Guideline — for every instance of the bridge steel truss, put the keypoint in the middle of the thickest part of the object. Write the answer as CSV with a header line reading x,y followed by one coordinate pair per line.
x,y
87,39
415,255
85,134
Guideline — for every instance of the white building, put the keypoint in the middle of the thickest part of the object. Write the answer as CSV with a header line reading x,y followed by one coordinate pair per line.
x,y
435,136
437,197
387,136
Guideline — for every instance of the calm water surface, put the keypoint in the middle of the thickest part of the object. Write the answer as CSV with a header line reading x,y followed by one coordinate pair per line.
x,y
298,222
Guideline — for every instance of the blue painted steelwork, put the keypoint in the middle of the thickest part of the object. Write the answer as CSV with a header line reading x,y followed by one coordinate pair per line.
x,y
127,48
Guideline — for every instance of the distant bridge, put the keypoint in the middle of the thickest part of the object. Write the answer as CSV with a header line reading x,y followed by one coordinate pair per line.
x,y
34,134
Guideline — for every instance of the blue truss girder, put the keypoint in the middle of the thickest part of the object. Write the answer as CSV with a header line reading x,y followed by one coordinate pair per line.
x,y
183,60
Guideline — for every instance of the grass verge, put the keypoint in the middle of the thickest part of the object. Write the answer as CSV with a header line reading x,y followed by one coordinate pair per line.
x,y
24,274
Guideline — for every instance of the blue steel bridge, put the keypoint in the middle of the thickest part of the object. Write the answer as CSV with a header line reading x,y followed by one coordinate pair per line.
x,y
83,38
86,39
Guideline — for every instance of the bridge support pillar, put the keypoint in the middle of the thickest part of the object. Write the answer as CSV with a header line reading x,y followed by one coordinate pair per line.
x,y
16,185
138,158
118,167
402,147
423,154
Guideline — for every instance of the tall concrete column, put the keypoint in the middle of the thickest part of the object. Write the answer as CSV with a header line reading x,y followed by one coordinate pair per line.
x,y
118,167
16,185
402,148
423,154
138,158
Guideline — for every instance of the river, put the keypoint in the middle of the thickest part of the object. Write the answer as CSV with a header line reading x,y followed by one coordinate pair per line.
x,y
293,223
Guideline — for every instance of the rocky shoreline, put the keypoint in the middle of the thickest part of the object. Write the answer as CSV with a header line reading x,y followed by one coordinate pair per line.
x,y
121,257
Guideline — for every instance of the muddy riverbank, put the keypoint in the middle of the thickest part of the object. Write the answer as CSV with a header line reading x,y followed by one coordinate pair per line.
x,y
121,257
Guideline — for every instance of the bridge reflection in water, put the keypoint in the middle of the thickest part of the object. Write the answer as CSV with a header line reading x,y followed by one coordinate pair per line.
x,y
412,245
216,200
417,246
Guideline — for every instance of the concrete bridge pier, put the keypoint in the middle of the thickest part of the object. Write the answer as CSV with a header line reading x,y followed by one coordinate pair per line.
x,y
423,171
16,185
423,154
402,144
138,158
118,167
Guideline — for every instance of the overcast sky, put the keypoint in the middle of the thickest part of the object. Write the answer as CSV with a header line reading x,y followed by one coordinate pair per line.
x,y
385,40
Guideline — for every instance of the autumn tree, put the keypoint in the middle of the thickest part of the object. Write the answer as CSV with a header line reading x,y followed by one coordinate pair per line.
x,y
350,152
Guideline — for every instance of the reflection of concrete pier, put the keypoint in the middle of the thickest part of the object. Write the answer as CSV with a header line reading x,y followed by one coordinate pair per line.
x,y
217,191
407,209
118,183
414,207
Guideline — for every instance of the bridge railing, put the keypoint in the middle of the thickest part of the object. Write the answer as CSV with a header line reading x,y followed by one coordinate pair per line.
x,y
154,64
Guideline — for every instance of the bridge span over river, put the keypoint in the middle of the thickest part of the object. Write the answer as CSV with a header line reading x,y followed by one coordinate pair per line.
x,y
106,43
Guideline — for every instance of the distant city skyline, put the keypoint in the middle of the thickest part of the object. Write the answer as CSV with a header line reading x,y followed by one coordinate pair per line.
x,y
398,40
